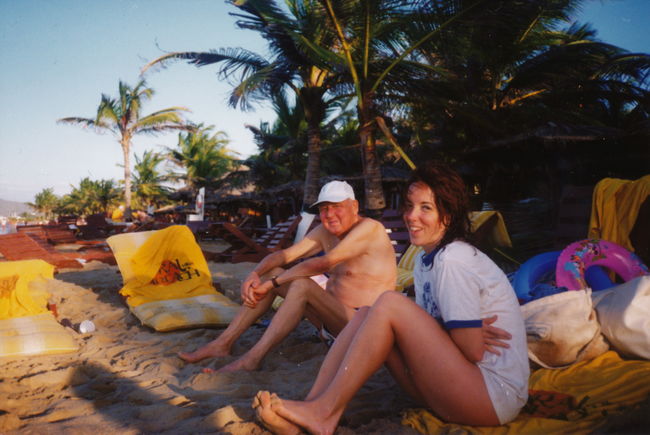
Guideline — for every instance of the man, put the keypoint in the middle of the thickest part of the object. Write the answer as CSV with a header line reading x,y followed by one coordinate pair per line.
x,y
358,257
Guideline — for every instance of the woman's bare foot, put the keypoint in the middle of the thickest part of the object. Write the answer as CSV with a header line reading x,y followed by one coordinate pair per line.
x,y
271,420
210,350
306,415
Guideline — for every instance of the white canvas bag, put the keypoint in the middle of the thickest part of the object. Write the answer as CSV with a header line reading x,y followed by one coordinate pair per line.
x,y
563,329
624,316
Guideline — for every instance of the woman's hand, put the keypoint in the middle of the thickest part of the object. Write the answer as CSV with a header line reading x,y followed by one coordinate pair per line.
x,y
494,337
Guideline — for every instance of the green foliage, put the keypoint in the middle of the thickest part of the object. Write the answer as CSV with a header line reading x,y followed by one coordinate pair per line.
x,y
148,181
91,196
203,156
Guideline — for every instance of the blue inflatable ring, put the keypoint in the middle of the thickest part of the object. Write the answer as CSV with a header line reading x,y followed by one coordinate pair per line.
x,y
534,268
531,271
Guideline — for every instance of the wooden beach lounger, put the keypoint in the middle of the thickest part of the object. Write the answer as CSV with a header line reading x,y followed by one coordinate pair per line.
x,y
20,246
246,248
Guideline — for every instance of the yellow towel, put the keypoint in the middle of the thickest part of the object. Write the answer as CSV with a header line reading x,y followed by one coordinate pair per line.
x,y
405,267
21,288
615,207
168,265
499,235
574,400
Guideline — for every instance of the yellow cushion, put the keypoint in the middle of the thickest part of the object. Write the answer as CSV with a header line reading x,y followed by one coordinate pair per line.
x,y
405,267
167,282
40,334
171,314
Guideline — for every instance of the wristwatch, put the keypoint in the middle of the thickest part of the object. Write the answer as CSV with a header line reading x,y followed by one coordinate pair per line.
x,y
274,280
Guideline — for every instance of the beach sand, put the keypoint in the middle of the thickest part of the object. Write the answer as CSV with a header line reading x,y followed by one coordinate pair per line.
x,y
127,378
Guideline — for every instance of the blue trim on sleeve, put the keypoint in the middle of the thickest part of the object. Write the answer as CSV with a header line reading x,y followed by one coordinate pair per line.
x,y
455,324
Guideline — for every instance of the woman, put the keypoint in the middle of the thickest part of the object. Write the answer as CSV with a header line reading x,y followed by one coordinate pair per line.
x,y
434,347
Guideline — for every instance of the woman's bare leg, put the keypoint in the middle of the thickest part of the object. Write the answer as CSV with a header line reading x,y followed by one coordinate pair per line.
x,y
450,385
272,421
337,352
327,371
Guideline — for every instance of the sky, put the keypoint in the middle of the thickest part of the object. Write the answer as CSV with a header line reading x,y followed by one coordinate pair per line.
x,y
59,56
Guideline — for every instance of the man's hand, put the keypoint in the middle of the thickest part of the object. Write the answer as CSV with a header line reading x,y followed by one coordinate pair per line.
x,y
251,282
257,294
493,336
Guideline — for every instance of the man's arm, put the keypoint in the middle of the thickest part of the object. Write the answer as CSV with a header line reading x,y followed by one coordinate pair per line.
x,y
309,245
354,244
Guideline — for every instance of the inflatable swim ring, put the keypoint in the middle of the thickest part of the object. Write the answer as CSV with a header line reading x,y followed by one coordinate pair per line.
x,y
577,257
531,271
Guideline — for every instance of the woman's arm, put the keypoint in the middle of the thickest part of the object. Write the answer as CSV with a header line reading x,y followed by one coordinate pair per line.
x,y
470,341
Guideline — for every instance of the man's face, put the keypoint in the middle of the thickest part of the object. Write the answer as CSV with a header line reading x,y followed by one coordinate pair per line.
x,y
338,217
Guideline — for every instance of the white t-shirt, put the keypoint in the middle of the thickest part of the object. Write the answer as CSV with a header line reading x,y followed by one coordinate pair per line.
x,y
459,285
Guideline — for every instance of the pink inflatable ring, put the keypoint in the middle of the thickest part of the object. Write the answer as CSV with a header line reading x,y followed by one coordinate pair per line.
x,y
576,258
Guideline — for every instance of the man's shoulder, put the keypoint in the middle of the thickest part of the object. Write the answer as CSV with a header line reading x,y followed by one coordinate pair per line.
x,y
371,224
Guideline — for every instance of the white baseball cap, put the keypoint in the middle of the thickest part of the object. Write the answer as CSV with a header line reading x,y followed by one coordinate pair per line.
x,y
334,191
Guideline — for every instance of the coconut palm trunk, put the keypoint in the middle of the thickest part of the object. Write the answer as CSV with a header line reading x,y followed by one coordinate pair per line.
x,y
125,142
314,109
373,189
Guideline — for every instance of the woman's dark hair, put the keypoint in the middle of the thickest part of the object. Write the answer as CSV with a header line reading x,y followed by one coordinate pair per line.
x,y
450,195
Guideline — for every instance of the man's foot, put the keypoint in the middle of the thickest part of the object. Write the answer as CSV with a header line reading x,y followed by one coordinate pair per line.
x,y
305,415
271,420
240,364
210,350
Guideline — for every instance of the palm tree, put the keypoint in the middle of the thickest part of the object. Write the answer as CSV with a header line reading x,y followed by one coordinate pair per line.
x,y
203,156
375,51
123,118
45,202
289,66
147,180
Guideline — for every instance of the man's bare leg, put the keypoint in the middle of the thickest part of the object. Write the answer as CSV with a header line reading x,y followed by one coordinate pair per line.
x,y
220,346
303,296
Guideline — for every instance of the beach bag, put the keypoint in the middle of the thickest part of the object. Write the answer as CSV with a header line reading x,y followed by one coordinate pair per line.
x,y
624,316
563,329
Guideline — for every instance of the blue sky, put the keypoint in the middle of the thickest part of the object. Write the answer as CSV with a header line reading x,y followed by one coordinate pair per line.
x,y
59,56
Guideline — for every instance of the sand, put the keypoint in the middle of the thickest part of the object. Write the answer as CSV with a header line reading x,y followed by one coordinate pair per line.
x,y
127,378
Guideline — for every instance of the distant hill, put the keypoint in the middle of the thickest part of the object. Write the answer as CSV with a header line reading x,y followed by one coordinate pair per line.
x,y
8,208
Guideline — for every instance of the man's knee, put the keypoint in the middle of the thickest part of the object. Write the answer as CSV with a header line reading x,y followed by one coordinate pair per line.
x,y
300,289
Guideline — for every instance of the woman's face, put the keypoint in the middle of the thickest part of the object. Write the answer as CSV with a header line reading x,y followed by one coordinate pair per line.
x,y
422,219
